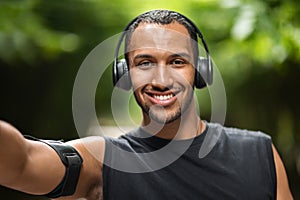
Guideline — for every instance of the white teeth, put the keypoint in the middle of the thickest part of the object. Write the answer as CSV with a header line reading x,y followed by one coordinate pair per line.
x,y
163,97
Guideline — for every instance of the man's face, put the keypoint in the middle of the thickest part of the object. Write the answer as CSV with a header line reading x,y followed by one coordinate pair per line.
x,y
161,69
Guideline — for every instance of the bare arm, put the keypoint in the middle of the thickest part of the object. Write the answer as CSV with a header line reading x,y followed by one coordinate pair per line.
x,y
90,180
283,189
35,168
28,166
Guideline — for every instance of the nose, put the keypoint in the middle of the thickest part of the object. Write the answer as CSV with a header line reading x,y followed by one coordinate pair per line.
x,y
162,78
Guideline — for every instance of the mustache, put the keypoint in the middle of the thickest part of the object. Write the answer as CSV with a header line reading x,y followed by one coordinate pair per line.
x,y
152,88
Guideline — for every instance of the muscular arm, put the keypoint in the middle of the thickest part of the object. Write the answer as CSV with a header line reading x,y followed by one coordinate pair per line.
x,y
283,190
90,180
28,166
35,168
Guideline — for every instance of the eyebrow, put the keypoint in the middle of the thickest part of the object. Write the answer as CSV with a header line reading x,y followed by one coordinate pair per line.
x,y
139,56
180,54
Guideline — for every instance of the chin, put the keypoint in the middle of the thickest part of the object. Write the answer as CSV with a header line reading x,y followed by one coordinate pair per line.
x,y
164,119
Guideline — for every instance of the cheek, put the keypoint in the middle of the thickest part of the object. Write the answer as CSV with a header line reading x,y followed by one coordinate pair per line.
x,y
135,80
139,78
185,76
191,76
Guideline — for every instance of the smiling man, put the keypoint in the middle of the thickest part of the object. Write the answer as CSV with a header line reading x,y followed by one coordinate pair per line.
x,y
162,73
160,159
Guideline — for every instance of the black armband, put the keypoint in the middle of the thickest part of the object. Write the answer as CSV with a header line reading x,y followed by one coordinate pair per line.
x,y
73,162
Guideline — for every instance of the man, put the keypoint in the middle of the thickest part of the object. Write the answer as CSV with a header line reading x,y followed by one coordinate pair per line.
x,y
161,57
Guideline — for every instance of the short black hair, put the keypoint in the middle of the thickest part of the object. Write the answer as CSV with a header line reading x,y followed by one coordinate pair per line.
x,y
162,17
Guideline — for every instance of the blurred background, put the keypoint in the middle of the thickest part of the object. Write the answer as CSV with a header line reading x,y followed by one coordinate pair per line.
x,y
255,44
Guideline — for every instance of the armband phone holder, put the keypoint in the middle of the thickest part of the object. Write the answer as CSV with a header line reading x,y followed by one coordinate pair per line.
x,y
72,161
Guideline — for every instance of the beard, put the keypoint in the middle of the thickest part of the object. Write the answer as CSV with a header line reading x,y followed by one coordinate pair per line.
x,y
161,115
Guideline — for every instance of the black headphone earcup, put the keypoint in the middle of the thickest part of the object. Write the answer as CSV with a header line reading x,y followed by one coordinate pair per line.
x,y
121,76
204,72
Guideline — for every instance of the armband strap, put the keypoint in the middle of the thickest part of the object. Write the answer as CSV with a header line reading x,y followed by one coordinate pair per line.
x,y
73,162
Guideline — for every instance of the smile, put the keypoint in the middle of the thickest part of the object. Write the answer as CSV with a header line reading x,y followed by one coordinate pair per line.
x,y
163,97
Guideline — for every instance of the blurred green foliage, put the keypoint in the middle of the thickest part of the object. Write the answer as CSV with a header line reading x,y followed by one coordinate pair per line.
x,y
255,44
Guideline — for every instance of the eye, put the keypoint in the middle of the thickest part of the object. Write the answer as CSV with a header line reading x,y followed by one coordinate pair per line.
x,y
145,64
178,62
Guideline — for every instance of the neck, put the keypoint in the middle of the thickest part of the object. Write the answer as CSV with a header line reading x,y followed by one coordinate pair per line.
x,y
187,126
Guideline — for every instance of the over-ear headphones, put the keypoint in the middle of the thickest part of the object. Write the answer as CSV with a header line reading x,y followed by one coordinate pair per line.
x,y
204,66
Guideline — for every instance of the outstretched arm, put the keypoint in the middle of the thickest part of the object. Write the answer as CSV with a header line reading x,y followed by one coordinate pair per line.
x,y
28,166
283,189
35,168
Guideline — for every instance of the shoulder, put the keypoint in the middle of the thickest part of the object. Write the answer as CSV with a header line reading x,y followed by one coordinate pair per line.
x,y
239,141
128,141
242,135
91,150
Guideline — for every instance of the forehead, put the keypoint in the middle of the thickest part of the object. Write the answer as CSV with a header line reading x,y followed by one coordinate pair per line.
x,y
172,37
